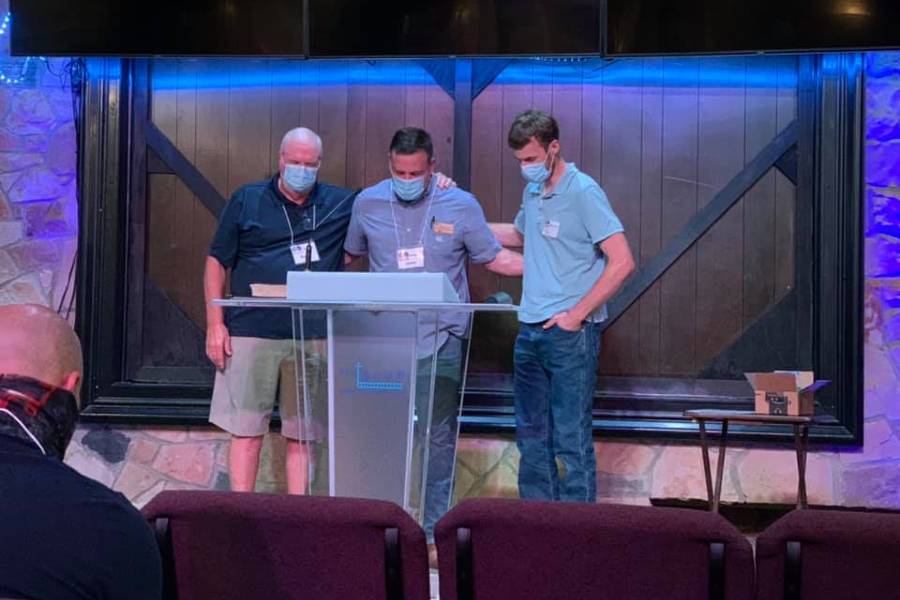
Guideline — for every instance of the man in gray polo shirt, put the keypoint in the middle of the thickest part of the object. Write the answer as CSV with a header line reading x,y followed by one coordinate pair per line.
x,y
576,259
408,224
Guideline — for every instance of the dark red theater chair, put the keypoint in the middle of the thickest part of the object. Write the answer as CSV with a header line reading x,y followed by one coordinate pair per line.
x,y
830,555
509,549
240,546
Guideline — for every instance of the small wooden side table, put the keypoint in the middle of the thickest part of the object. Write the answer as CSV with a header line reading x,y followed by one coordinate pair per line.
x,y
801,439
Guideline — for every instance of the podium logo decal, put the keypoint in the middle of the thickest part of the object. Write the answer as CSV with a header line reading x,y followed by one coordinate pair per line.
x,y
382,381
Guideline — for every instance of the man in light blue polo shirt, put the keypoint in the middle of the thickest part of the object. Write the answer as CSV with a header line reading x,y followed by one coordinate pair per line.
x,y
409,224
576,259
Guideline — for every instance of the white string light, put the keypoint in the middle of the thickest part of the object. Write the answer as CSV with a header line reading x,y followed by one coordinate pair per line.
x,y
13,79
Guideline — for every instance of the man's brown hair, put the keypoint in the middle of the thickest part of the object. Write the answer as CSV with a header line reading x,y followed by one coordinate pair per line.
x,y
532,124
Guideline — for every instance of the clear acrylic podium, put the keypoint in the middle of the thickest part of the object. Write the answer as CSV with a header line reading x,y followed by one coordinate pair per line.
x,y
365,377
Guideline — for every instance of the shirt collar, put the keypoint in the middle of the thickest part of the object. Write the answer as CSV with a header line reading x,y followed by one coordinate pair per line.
x,y
562,186
13,445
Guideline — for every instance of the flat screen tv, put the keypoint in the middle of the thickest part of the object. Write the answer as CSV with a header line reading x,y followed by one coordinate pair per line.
x,y
163,27
659,27
361,28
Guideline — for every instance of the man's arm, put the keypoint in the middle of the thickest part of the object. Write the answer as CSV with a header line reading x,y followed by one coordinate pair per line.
x,y
350,258
620,264
507,235
507,263
218,342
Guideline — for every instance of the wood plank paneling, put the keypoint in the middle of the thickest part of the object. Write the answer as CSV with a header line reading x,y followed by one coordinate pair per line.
x,y
414,113
387,102
212,125
659,138
759,203
651,211
517,97
357,117
162,257
785,191
439,123
249,127
567,109
185,289
620,353
210,159
592,117
285,109
678,306
542,73
333,123
309,95
720,250
488,147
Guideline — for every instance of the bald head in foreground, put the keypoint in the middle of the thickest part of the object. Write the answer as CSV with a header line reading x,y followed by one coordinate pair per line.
x,y
63,536
39,343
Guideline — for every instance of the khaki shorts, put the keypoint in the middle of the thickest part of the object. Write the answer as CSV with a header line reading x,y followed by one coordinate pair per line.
x,y
258,372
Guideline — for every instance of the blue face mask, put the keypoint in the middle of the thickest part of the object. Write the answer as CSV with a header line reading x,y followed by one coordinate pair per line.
x,y
538,172
299,178
409,190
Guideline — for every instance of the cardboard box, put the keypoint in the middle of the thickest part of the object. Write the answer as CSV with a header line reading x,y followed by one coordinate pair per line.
x,y
785,392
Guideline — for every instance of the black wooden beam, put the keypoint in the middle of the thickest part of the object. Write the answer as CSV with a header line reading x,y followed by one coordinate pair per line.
x,y
463,79
787,164
462,123
702,221
142,157
485,71
155,165
184,169
442,70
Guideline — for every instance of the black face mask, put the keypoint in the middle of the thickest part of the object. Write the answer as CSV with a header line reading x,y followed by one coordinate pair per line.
x,y
47,412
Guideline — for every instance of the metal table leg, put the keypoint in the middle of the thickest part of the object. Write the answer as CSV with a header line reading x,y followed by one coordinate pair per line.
x,y
704,446
721,466
801,439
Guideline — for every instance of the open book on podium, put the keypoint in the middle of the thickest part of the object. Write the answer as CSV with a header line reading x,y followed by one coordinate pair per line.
x,y
366,349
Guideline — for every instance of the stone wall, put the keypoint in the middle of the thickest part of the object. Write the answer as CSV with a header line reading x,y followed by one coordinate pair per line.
x,y
140,462
38,208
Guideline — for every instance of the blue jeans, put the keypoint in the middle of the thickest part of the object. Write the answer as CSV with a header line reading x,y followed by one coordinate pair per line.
x,y
444,427
555,375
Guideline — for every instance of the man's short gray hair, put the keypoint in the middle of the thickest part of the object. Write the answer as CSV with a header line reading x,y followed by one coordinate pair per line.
x,y
301,135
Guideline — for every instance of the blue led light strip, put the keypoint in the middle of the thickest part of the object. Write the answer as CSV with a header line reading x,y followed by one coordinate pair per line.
x,y
13,79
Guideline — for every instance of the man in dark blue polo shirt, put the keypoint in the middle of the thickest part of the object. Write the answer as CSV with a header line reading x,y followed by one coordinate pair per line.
x,y
267,229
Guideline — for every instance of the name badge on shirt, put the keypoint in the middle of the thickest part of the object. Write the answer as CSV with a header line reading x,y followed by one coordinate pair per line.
x,y
442,228
550,229
411,258
299,252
